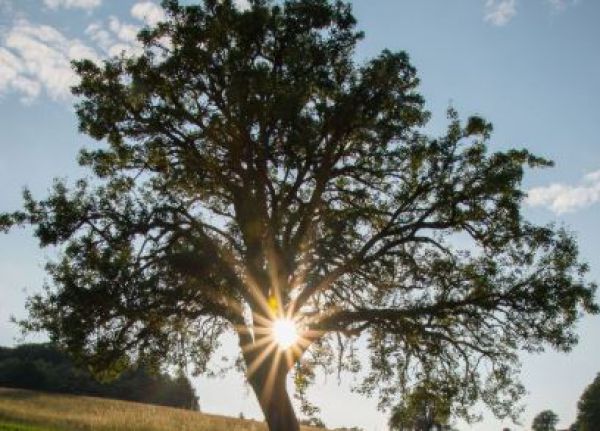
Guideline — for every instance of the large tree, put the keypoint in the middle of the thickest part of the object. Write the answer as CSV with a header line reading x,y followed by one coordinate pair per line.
x,y
588,408
248,171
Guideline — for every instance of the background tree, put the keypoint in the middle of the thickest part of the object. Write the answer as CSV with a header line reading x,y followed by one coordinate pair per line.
x,y
250,171
545,421
44,367
588,408
422,410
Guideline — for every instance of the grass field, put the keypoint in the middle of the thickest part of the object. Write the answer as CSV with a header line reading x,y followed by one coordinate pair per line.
x,y
22,410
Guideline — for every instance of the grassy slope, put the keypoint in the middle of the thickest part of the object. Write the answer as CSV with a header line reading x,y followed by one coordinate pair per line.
x,y
35,411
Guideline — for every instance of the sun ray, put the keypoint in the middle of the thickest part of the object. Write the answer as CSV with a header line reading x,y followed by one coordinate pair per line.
x,y
258,344
291,355
263,321
257,362
268,390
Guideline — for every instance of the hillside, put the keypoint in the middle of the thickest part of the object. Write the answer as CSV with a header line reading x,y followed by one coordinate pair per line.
x,y
22,410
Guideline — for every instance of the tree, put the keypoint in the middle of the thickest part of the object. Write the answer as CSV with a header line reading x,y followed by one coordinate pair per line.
x,y
312,422
588,408
44,367
421,410
249,172
545,421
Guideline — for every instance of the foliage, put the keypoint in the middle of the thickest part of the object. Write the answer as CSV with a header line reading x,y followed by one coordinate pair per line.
x,y
421,410
249,168
44,367
313,422
588,408
545,421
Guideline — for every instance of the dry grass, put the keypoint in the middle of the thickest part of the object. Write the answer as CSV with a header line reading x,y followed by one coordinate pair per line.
x,y
74,413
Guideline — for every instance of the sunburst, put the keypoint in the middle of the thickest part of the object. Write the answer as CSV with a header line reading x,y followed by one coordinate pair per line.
x,y
280,337
285,333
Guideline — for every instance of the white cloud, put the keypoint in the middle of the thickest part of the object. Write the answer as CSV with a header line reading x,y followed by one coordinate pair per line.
x,y
561,198
12,78
116,37
500,12
69,4
149,12
36,59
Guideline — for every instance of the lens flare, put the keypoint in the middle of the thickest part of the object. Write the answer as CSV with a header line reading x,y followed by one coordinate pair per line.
x,y
285,333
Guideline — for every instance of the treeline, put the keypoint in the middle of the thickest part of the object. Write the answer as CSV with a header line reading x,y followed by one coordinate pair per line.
x,y
588,412
44,367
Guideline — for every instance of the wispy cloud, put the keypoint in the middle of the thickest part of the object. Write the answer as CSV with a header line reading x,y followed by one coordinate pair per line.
x,y
71,4
149,12
561,4
35,59
500,12
115,37
562,198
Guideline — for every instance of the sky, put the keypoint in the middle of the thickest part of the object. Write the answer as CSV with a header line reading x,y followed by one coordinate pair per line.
x,y
531,67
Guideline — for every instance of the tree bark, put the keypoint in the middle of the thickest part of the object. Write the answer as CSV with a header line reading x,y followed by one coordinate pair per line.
x,y
278,410
269,385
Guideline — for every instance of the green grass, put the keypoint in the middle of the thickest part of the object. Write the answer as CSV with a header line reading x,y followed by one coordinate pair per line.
x,y
22,410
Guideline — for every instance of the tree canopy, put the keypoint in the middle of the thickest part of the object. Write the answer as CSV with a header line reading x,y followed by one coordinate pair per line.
x,y
545,421
421,410
588,408
249,169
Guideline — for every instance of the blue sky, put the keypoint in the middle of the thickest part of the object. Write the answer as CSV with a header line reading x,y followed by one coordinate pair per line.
x,y
532,67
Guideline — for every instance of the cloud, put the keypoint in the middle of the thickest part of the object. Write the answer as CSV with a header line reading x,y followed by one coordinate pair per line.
x,y
11,69
560,5
561,198
69,4
149,12
500,12
35,59
115,37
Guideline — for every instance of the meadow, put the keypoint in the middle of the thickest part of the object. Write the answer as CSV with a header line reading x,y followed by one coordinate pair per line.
x,y
22,410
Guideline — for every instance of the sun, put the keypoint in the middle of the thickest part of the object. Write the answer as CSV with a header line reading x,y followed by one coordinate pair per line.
x,y
285,333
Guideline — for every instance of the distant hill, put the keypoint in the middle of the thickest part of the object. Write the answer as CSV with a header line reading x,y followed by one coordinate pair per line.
x,y
44,367
22,410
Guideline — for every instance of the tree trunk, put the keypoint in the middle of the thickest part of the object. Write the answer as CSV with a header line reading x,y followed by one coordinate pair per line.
x,y
269,384
278,410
